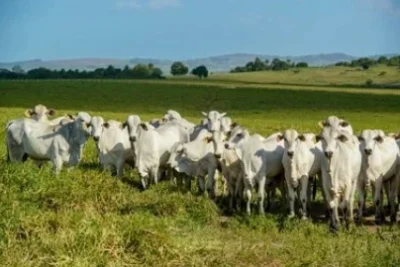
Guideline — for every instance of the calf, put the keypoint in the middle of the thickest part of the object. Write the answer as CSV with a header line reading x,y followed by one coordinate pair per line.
x,y
301,160
381,167
261,160
231,167
152,148
112,142
196,158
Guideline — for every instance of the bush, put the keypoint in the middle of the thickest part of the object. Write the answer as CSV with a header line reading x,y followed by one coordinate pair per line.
x,y
383,73
369,82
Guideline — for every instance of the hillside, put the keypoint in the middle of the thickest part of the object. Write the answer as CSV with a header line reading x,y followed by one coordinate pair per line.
x,y
214,63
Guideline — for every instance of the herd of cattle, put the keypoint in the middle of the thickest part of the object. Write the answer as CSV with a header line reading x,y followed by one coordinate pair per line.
x,y
176,148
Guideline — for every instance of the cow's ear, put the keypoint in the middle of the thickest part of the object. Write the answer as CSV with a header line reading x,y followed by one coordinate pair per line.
x,y
72,117
207,139
344,123
51,112
302,138
29,112
222,115
144,126
279,137
106,124
342,138
379,139
204,114
323,124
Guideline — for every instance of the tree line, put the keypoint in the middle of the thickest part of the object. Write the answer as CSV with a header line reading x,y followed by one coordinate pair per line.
x,y
139,71
277,64
366,62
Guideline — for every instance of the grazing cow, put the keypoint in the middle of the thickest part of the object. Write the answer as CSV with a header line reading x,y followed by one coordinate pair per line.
x,y
214,120
112,142
152,148
14,131
301,160
262,162
60,144
231,167
341,169
196,159
381,167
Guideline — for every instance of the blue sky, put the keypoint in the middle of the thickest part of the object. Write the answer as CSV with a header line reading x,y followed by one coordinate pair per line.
x,y
182,29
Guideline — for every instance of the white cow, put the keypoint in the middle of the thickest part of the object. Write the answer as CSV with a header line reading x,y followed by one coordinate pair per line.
x,y
301,161
262,162
381,168
231,167
112,142
341,169
214,120
14,131
61,144
152,148
196,159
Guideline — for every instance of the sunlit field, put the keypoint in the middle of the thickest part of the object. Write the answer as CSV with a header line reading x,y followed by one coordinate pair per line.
x,y
86,217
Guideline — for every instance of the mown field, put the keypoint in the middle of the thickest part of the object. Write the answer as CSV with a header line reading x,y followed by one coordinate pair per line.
x,y
88,218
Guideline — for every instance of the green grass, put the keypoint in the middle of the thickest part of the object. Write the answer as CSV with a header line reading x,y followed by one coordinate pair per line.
x,y
89,218
332,76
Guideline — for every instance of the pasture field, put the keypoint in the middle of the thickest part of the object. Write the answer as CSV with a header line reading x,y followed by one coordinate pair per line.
x,y
88,218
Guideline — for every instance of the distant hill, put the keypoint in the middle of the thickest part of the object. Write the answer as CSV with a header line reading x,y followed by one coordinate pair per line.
x,y
214,63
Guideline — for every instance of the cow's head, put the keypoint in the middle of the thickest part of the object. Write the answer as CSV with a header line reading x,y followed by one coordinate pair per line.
x,y
370,139
337,124
97,124
219,139
132,123
214,120
238,136
39,112
331,139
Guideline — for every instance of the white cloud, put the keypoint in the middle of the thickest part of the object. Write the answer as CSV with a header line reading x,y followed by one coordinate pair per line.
x,y
152,4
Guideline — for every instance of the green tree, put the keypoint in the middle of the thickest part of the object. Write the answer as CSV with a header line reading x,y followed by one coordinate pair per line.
x,y
200,71
156,73
141,71
18,69
258,65
302,65
382,60
178,68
